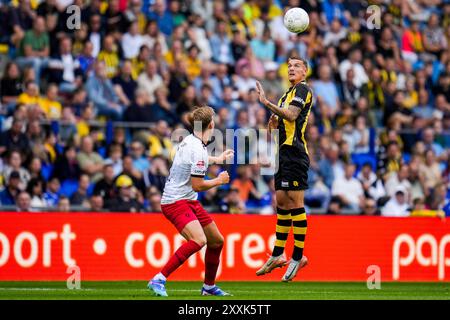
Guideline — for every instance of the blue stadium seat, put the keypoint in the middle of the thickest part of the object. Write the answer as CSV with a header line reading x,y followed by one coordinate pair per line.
x,y
406,157
361,158
68,187
47,170
102,152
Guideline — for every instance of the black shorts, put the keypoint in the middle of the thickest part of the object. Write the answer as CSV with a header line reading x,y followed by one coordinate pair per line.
x,y
293,168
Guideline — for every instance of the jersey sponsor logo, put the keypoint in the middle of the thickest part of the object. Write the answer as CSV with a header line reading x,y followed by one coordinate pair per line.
x,y
298,99
198,171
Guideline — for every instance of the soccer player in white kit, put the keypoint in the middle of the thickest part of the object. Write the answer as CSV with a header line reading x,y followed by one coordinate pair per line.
x,y
180,206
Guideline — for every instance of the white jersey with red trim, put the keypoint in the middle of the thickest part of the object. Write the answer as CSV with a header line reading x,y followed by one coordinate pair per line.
x,y
191,159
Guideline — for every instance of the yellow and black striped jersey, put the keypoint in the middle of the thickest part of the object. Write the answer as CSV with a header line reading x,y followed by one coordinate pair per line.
x,y
293,133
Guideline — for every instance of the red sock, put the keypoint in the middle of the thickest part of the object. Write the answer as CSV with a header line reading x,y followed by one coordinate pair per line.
x,y
212,260
180,256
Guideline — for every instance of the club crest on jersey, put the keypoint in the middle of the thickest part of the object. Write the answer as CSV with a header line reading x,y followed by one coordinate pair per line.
x,y
200,163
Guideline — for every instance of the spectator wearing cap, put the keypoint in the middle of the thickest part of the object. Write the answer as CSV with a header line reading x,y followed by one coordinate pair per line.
x,y
23,202
125,200
12,189
397,206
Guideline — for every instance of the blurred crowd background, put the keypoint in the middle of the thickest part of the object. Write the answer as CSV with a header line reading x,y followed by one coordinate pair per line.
x,y
91,94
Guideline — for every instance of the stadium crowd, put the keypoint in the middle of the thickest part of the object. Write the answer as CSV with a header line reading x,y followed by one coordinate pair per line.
x,y
88,108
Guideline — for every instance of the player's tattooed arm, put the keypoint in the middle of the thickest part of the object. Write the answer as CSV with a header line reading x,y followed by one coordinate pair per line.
x,y
290,113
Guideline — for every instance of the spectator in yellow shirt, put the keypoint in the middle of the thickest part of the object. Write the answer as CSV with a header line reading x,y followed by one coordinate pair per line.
x,y
138,63
176,53
31,96
50,105
193,63
109,55
160,144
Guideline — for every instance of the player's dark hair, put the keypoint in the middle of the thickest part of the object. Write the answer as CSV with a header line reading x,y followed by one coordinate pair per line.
x,y
294,57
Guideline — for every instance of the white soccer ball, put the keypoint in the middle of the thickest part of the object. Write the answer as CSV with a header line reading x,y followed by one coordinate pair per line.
x,y
296,20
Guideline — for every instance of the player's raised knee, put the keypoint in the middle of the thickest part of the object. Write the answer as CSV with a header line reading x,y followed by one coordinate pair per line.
x,y
200,240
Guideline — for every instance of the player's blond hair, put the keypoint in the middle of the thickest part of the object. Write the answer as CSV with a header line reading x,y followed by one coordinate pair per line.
x,y
201,116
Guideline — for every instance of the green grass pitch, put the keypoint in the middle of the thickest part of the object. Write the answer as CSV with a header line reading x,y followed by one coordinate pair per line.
x,y
177,290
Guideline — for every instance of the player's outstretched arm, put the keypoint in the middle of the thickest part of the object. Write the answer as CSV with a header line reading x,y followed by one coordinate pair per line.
x,y
227,154
200,184
290,114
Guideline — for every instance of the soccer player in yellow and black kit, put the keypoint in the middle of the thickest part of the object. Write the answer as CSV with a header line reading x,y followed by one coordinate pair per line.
x,y
290,117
